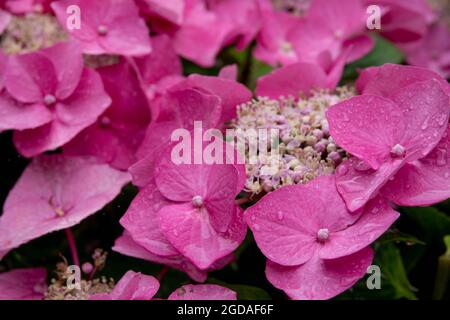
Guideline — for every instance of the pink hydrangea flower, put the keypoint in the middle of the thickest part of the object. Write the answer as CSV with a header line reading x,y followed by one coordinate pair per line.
x,y
203,292
56,192
182,214
132,286
23,284
275,41
402,21
208,27
211,100
107,27
180,109
118,133
319,249
329,28
49,98
432,51
392,130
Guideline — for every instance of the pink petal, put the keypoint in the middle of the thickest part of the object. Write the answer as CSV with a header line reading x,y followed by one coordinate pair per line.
x,y
201,36
190,231
355,128
5,18
14,115
56,192
377,217
216,184
171,10
359,46
29,77
88,101
426,111
346,16
126,245
142,222
133,286
68,63
320,279
229,91
155,143
291,80
120,130
432,52
389,78
203,292
274,40
229,72
357,183
23,284
161,62
126,34
76,113
287,233
423,182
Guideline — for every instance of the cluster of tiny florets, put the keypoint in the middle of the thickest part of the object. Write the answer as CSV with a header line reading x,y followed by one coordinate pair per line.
x,y
306,149
59,288
31,32
296,7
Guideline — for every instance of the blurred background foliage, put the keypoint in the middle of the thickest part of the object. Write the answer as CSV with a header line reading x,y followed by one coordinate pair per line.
x,y
414,256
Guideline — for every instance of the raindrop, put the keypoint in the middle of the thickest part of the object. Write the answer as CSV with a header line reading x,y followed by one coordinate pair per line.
x,y
280,215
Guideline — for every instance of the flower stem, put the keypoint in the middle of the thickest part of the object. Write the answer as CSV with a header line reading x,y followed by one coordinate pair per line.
x,y
162,273
242,201
72,246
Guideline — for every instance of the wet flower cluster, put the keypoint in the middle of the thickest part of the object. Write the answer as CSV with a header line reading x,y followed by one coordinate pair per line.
x,y
305,148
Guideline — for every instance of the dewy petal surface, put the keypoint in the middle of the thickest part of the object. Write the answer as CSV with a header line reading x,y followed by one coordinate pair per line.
x,y
142,222
357,183
56,192
377,217
287,233
423,182
190,231
320,279
367,126
426,109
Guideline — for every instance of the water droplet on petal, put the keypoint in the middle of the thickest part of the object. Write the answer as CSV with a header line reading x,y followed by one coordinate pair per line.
x,y
280,215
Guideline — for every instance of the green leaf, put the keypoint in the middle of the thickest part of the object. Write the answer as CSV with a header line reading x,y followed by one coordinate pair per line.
x,y
434,224
390,261
257,70
383,52
447,244
397,237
